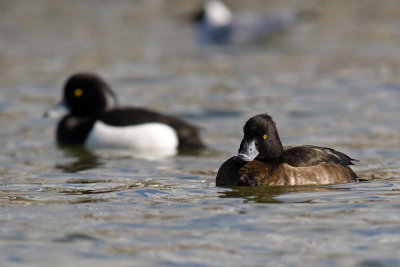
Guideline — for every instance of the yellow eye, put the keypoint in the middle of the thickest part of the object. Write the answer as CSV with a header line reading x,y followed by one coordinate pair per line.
x,y
265,136
78,92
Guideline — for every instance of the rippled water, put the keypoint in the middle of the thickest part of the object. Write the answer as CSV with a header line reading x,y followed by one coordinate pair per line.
x,y
332,80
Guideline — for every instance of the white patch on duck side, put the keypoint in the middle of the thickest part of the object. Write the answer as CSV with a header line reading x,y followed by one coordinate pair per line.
x,y
217,13
150,138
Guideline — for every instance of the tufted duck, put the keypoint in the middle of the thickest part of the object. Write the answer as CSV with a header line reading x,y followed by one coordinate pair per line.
x,y
262,160
95,120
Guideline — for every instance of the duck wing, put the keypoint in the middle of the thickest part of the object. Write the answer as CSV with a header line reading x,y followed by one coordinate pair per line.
x,y
304,156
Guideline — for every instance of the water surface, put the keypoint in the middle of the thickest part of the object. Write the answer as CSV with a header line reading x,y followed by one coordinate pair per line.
x,y
332,80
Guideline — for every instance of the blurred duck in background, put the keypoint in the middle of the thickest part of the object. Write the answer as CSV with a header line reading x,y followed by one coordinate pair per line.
x,y
216,24
95,120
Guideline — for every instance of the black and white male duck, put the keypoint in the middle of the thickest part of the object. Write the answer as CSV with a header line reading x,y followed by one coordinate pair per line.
x,y
216,24
95,121
262,160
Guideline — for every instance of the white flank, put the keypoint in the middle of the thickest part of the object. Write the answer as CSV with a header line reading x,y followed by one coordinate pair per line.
x,y
217,13
147,140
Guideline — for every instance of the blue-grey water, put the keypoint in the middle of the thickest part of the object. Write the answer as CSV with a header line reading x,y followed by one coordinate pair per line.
x,y
332,79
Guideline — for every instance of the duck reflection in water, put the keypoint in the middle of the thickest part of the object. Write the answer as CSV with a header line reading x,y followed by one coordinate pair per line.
x,y
273,194
83,159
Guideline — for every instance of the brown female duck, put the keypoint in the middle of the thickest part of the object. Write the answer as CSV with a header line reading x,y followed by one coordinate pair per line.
x,y
262,160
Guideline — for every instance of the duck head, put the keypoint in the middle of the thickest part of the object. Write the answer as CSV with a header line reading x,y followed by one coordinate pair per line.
x,y
261,140
85,94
